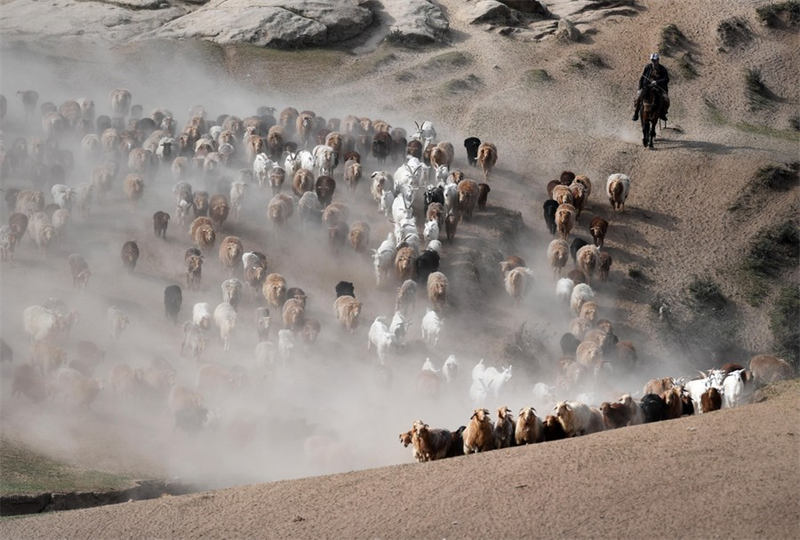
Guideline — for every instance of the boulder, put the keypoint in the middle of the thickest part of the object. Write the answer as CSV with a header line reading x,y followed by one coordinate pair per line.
x,y
493,12
566,31
416,22
532,7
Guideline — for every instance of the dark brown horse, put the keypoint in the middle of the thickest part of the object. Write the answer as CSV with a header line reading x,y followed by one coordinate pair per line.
x,y
652,104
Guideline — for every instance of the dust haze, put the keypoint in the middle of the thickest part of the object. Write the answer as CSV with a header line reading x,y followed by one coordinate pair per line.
x,y
329,408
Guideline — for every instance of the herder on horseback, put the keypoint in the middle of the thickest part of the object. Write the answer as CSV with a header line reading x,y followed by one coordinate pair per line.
x,y
653,72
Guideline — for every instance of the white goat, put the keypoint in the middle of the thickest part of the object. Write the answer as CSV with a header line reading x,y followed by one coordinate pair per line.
x,y
225,319
383,339
431,327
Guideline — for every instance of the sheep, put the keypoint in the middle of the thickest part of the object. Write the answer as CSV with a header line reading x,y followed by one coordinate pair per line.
x,y
129,255
120,101
733,387
44,324
407,439
79,269
654,408
467,198
768,369
309,208
160,223
552,429
324,187
487,158
201,315
511,262
471,144
345,288
518,282
504,428
194,267
710,400
232,292
565,220
200,200
117,321
673,402
529,428
293,314
406,297
218,210
172,302
562,195
431,231
404,263
658,386
225,319
63,196
59,221
133,185
335,213
188,410
435,212
274,290
450,225
73,389
558,255
430,444
615,415
580,293
585,182
324,157
8,241
479,433
347,310
42,231
261,168
598,228
578,196
589,354
359,236
437,290
431,327
47,358
636,412
230,253
263,323
617,187
29,202
578,419
564,288
203,233
18,224
280,209
383,338
383,259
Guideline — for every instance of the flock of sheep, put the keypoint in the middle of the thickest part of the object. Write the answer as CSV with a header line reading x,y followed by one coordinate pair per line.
x,y
306,175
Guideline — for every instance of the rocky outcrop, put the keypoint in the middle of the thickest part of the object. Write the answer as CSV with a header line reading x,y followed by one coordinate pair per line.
x,y
566,32
493,12
415,22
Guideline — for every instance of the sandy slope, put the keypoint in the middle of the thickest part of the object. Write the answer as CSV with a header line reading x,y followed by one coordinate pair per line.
x,y
729,474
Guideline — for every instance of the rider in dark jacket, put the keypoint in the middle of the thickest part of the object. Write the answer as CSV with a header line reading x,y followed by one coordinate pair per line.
x,y
653,71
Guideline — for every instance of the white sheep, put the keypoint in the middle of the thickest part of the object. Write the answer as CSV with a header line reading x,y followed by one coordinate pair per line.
x,y
285,345
324,157
399,326
383,259
237,198
201,315
564,288
578,418
617,187
383,339
232,291
194,340
733,388
431,231
225,319
41,323
261,167
450,198
450,369
431,327
581,293
434,245
117,321
63,196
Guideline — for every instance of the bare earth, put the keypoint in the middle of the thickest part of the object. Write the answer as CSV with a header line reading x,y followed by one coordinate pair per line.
x,y
729,474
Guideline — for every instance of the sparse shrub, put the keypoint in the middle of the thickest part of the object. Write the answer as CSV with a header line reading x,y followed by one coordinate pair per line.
x,y
779,177
532,77
794,122
468,84
405,76
734,32
705,296
453,59
636,273
783,322
783,14
672,40
587,58
686,66
773,250
395,37
758,94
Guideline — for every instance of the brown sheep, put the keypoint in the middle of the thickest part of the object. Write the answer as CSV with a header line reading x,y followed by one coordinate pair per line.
x,y
334,213
141,161
430,444
203,233
103,178
129,255
352,174
414,148
579,327
120,101
578,196
626,356
562,195
672,398
302,181
404,263
529,428
576,276
160,223
598,228
324,187
310,331
304,125
435,212
218,210
347,310
769,369
406,297
558,256
467,198
518,282
18,223
134,187
586,183
589,354
710,400
615,415
565,220
479,434
194,267
450,225
29,202
552,430
277,176
79,269
200,201
437,290
487,158
586,261
504,428
617,187
230,253
274,290
337,236
511,262
293,315
483,195
658,386
588,312
359,236
280,209
604,261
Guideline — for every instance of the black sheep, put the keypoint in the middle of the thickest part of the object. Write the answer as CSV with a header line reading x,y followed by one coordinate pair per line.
x,y
172,302
345,288
576,244
569,344
654,408
550,206
472,144
426,264
432,195
456,447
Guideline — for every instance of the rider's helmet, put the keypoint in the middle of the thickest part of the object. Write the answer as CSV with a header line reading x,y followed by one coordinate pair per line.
x,y
654,57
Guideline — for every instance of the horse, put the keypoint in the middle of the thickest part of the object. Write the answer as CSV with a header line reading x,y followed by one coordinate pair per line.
x,y
652,105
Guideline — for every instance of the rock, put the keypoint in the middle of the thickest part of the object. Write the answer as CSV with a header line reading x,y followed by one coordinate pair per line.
x,y
416,22
493,12
271,23
566,32
528,6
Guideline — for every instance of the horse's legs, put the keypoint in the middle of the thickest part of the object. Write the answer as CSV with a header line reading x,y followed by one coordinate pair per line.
x,y
653,132
645,130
